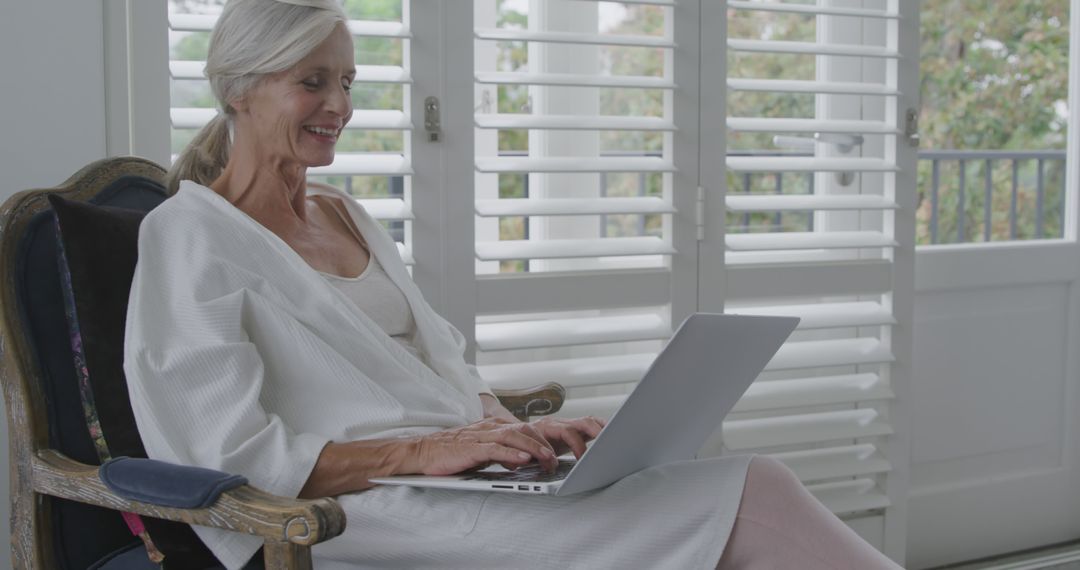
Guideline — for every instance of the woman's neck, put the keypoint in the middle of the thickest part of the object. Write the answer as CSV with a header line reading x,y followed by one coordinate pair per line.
x,y
264,186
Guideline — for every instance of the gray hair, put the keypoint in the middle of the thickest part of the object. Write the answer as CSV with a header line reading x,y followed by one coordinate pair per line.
x,y
252,39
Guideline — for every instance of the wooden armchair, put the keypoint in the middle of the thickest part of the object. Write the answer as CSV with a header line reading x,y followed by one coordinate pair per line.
x,y
63,515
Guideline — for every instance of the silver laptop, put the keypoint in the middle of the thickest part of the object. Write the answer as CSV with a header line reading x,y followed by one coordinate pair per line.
x,y
693,383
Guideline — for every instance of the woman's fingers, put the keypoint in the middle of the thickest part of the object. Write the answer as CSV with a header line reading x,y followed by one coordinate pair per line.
x,y
508,443
529,441
511,444
491,452
589,426
531,431
571,434
572,438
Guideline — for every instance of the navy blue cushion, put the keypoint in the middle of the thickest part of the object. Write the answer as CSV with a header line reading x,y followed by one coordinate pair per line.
x,y
166,484
82,533
98,253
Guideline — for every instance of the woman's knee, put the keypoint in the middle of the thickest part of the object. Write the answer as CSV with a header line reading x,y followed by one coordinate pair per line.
x,y
771,487
768,472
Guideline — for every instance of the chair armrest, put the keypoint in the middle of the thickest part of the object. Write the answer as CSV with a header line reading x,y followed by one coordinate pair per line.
x,y
539,400
244,509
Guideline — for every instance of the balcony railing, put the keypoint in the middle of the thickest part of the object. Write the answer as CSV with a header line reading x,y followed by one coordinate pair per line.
x,y
994,195
1025,191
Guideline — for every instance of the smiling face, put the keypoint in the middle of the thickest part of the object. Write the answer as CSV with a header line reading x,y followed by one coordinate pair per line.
x,y
296,115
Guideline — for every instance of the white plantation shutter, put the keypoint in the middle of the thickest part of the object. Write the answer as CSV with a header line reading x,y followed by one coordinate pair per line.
x,y
347,164
836,251
591,307
825,404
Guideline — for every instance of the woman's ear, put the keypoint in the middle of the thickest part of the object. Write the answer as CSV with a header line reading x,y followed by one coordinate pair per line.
x,y
239,104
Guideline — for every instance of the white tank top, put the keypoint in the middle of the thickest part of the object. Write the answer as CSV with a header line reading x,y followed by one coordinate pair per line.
x,y
379,298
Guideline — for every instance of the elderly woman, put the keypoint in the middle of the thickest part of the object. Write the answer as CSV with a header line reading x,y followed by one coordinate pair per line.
x,y
274,332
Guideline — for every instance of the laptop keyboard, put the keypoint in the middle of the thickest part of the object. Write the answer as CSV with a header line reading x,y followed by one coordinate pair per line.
x,y
533,473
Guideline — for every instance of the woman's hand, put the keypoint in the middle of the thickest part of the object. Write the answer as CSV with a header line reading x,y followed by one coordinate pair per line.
x,y
509,443
347,467
569,435
563,435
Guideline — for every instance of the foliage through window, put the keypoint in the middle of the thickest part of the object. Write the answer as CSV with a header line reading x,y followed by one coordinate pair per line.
x,y
994,92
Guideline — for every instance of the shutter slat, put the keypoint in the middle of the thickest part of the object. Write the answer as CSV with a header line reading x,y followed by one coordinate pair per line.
x,y
568,332
545,291
771,125
649,2
803,428
829,278
575,164
826,353
570,372
179,69
573,122
522,35
197,118
573,80
781,203
810,48
191,22
832,462
850,496
807,240
823,390
571,248
364,165
809,9
803,86
826,315
804,164
382,74
372,29
571,206
387,208
205,23
187,69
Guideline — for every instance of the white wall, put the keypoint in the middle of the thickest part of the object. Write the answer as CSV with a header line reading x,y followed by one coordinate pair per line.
x,y
52,96
52,102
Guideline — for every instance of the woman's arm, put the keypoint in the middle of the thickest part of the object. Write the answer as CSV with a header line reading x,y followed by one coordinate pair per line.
x,y
494,409
346,467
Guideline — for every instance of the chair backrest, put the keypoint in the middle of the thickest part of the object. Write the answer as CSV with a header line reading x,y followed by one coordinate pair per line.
x,y
36,366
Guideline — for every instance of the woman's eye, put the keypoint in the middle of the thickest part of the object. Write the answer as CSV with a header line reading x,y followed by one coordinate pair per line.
x,y
347,87
311,84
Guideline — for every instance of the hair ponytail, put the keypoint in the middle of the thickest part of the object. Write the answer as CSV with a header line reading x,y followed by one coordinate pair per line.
x,y
204,157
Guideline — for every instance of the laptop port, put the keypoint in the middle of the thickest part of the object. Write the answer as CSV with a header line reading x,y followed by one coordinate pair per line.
x,y
536,488
502,487
523,487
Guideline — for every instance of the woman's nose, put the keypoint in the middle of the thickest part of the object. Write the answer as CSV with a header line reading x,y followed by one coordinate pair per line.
x,y
340,102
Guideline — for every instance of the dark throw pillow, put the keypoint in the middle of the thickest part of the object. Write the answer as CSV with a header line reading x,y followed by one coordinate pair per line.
x,y
98,250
